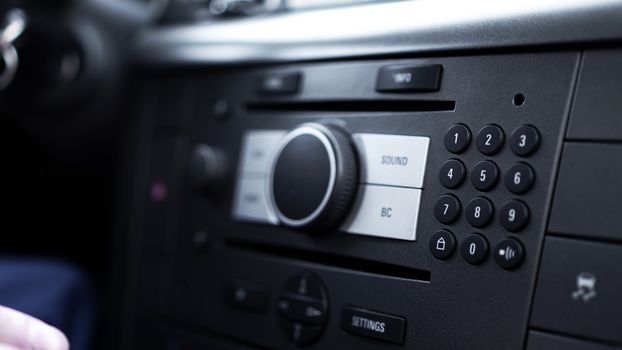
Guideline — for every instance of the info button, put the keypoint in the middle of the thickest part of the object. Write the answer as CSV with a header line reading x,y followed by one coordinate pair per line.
x,y
279,84
373,324
409,78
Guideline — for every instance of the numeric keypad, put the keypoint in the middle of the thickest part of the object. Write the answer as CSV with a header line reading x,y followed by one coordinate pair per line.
x,y
519,178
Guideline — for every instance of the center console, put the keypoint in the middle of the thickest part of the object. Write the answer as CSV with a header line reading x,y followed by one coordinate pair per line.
x,y
402,189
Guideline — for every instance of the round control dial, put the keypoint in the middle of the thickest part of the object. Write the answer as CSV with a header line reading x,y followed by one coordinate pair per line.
x,y
313,177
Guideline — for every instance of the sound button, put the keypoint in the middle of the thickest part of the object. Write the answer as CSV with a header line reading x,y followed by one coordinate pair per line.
x,y
393,160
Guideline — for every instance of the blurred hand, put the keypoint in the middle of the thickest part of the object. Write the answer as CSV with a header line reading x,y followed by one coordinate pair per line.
x,y
19,331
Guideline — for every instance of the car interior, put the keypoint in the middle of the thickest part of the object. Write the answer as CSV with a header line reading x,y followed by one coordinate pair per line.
x,y
313,174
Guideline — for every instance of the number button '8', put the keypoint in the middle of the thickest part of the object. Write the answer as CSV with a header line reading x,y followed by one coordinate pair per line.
x,y
479,212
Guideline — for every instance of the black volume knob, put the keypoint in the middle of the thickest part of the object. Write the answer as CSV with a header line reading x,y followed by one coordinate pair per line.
x,y
313,178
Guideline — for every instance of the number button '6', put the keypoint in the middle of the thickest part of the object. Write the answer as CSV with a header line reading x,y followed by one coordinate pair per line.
x,y
519,178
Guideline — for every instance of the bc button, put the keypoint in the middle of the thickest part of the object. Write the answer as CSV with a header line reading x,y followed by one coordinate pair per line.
x,y
384,211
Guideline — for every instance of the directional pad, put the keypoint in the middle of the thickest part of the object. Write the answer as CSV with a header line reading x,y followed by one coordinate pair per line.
x,y
302,306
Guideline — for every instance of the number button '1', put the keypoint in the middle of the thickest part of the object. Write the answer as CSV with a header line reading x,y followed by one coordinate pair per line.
x,y
457,138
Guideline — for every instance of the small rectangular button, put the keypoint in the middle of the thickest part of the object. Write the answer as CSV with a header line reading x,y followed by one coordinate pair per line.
x,y
588,191
392,159
544,341
579,289
248,296
409,78
373,324
279,83
257,148
382,211
251,201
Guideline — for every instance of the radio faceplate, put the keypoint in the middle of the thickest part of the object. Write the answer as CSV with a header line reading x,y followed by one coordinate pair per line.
x,y
477,202
389,185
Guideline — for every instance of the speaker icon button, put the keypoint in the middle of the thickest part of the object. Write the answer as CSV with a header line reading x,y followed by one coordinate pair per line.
x,y
509,253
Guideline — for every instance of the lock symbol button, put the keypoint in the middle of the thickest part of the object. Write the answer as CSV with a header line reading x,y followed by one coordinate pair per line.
x,y
442,244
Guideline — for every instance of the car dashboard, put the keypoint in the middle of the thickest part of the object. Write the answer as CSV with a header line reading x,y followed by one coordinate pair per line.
x,y
377,175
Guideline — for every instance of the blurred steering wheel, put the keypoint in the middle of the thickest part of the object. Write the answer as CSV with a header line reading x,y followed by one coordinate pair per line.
x,y
14,24
64,64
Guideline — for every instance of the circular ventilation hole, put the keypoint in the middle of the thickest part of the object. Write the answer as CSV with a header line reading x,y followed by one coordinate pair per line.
x,y
518,100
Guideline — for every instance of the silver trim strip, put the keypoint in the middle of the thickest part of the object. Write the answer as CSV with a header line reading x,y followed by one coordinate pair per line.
x,y
383,28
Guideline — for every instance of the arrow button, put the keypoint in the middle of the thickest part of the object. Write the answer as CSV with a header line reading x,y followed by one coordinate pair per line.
x,y
301,309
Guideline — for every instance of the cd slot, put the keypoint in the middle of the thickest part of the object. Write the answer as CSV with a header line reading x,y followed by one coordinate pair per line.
x,y
396,105
353,264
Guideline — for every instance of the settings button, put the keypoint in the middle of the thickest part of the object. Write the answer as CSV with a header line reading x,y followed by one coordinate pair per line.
x,y
373,324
